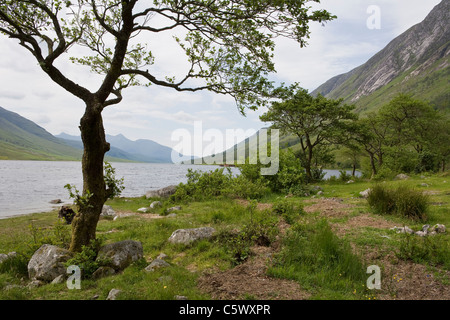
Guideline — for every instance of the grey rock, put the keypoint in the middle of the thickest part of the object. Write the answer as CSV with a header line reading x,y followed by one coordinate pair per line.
x,y
142,210
186,236
3,257
402,176
156,264
107,211
162,256
403,230
439,228
155,204
320,193
47,263
59,279
121,254
35,284
180,297
365,193
177,208
171,215
113,294
103,272
56,201
161,193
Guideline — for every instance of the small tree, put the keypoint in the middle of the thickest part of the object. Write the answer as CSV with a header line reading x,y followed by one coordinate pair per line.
x,y
317,121
228,45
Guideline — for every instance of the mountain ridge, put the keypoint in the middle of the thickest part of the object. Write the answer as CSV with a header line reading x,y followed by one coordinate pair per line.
x,y
22,139
416,62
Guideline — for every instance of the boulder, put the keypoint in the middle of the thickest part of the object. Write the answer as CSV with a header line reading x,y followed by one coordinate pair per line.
x,y
155,204
103,272
47,263
186,236
439,228
401,176
403,230
142,210
365,193
156,264
107,211
56,201
177,208
120,255
161,193
112,295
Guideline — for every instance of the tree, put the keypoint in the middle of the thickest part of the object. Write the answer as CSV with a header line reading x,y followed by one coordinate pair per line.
x,y
371,135
317,121
228,45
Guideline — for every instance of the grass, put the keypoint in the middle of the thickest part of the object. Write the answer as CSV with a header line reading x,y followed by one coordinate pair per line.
x,y
326,264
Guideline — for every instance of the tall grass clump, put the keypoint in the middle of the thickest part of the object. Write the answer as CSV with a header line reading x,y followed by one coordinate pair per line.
x,y
321,262
402,200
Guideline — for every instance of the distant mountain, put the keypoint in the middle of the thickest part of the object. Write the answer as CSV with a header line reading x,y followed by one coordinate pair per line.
x,y
22,139
121,147
416,62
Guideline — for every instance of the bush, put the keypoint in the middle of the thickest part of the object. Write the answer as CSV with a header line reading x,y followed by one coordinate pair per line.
x,y
260,230
402,201
213,184
287,210
434,250
86,259
290,178
344,176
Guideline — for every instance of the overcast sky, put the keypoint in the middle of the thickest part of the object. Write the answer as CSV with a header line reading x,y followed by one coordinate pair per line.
x,y
154,113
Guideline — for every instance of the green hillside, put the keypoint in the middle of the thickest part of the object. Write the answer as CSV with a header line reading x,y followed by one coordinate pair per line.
x,y
22,139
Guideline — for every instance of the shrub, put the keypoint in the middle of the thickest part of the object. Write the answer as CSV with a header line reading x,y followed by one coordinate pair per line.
x,y
213,184
261,230
344,176
86,259
290,178
402,201
287,210
434,250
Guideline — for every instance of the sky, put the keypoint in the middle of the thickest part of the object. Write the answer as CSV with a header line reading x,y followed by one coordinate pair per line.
x,y
362,28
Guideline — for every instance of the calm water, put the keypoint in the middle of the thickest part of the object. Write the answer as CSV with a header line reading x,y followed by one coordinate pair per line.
x,y
29,186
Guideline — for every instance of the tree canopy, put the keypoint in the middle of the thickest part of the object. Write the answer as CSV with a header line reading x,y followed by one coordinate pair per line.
x,y
228,44
317,121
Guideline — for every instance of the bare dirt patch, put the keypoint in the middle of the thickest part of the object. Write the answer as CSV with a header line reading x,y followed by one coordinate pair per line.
x,y
328,207
361,221
406,280
250,280
259,206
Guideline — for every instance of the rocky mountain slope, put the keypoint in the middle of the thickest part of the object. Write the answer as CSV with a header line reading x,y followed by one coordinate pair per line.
x,y
416,62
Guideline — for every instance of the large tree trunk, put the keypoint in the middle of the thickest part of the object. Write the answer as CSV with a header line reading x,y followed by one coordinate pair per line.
x,y
85,222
